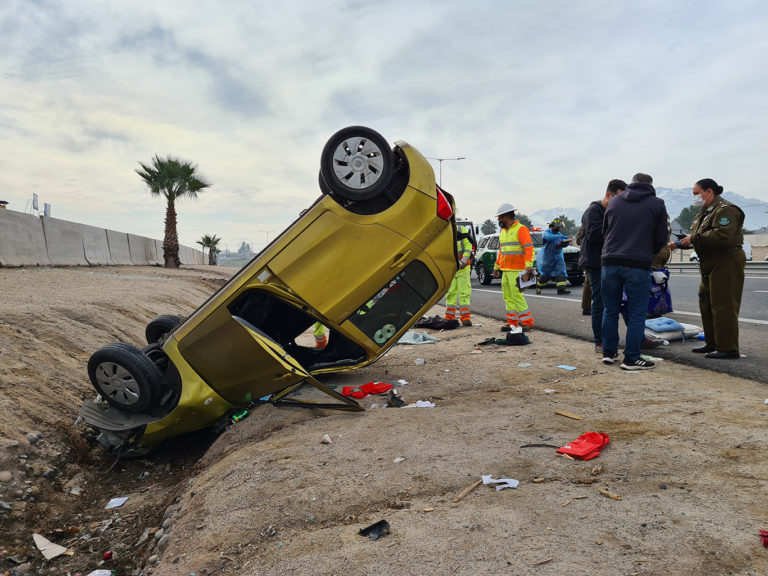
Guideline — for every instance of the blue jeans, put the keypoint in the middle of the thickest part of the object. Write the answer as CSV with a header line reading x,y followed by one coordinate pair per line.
x,y
636,284
597,303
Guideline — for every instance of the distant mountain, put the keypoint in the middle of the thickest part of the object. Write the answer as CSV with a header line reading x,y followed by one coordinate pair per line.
x,y
755,211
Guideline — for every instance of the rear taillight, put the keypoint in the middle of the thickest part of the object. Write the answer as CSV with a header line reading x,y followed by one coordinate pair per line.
x,y
444,209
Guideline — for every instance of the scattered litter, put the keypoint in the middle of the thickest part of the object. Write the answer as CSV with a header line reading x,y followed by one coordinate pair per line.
x,y
596,469
764,538
429,509
524,365
548,391
326,440
651,358
116,502
568,414
500,482
402,382
394,400
366,389
419,361
48,549
107,555
566,367
766,401
543,561
102,572
375,531
586,446
77,490
608,494
421,404
412,337
446,370
398,460
466,491
476,351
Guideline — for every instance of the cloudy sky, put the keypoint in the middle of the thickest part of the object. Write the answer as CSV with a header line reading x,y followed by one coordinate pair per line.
x,y
546,100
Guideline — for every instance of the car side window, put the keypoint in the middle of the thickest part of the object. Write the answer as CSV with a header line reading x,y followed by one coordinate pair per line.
x,y
483,242
396,303
494,243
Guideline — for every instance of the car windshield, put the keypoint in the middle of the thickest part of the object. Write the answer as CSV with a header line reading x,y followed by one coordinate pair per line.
x,y
392,307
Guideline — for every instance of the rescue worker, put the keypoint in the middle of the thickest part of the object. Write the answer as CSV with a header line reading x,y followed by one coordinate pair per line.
x,y
550,259
515,256
717,234
460,285
321,340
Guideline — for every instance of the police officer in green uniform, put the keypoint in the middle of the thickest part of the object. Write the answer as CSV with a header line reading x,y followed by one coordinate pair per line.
x,y
717,234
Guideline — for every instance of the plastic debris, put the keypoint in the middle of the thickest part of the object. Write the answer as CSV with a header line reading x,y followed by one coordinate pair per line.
x,y
524,365
421,404
366,389
402,382
102,572
375,531
398,460
566,367
501,483
48,549
412,337
420,362
549,391
116,502
326,440
586,446
764,538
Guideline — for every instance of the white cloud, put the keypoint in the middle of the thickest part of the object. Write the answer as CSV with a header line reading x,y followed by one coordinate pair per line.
x,y
547,101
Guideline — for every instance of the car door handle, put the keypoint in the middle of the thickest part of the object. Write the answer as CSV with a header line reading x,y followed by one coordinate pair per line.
x,y
400,261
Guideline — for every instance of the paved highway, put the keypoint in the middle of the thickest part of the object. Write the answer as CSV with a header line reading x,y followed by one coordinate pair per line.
x,y
562,315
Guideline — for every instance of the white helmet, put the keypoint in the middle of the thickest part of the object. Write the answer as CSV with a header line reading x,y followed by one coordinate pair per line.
x,y
504,208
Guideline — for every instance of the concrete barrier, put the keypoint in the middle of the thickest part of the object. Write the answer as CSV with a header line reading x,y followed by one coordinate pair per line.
x,y
96,246
22,240
184,255
119,251
198,256
64,242
160,252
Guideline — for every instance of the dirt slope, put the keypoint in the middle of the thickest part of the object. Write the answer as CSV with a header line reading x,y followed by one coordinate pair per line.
x,y
269,498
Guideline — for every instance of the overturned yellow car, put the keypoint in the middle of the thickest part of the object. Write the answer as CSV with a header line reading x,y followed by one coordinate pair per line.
x,y
373,253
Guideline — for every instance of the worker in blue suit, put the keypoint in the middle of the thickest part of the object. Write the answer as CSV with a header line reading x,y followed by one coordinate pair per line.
x,y
550,260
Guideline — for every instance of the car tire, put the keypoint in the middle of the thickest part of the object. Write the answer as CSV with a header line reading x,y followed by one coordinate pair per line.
x,y
124,376
356,164
482,275
161,326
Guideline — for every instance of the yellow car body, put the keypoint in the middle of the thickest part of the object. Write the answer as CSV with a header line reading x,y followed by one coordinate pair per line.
x,y
367,277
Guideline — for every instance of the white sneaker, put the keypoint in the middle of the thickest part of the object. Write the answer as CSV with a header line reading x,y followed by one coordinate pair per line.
x,y
609,358
638,364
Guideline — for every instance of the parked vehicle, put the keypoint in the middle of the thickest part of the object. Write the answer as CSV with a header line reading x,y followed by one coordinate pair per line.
x,y
488,248
373,253
747,250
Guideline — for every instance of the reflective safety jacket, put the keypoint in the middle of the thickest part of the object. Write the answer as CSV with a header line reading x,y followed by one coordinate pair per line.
x,y
464,246
515,248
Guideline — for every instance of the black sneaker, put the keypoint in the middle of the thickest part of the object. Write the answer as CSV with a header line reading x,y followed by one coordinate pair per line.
x,y
609,357
506,328
638,364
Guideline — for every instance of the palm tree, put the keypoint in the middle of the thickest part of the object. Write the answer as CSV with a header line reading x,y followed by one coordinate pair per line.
x,y
174,179
210,242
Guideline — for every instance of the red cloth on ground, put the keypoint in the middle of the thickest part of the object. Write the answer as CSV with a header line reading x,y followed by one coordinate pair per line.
x,y
366,389
586,446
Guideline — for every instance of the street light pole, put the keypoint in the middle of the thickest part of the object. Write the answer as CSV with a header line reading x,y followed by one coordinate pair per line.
x,y
440,166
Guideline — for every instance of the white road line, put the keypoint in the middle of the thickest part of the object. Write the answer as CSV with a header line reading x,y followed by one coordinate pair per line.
x,y
746,320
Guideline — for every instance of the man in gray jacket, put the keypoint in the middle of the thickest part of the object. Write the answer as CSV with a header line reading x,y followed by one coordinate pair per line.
x,y
634,229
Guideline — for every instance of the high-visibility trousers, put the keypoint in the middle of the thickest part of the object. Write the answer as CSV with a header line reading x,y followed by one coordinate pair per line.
x,y
321,340
461,286
517,307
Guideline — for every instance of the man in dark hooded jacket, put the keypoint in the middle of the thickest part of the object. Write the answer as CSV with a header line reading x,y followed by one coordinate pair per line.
x,y
634,229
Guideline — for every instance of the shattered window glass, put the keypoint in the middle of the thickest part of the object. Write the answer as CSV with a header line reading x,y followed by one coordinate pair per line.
x,y
399,301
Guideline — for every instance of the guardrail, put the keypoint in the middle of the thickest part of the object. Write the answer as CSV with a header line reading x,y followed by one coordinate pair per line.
x,y
752,267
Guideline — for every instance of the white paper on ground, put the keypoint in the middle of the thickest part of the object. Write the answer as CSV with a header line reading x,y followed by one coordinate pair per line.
x,y
501,482
421,404
48,548
116,502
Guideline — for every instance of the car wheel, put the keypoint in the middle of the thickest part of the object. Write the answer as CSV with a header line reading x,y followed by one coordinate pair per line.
x,y
161,326
357,164
482,275
124,376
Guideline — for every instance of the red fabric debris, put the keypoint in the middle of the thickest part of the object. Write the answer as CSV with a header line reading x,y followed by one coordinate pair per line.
x,y
366,389
764,538
586,446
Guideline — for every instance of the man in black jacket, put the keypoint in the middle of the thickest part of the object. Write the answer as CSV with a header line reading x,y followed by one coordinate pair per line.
x,y
591,251
634,229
